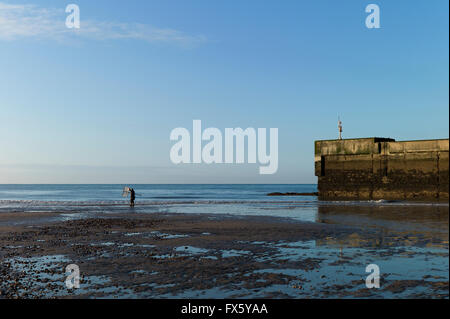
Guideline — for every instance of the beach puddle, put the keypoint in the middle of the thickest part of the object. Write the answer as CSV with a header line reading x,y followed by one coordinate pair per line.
x,y
132,234
45,276
343,269
191,250
109,243
234,253
167,236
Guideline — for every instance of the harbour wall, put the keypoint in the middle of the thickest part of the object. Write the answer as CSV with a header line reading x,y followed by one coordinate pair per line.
x,y
382,168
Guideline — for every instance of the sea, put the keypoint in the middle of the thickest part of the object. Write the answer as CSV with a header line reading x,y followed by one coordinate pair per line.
x,y
234,199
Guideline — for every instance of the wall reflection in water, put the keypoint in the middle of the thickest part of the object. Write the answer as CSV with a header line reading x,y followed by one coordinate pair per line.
x,y
419,225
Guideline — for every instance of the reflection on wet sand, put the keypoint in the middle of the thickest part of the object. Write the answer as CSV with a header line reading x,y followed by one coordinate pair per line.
x,y
421,225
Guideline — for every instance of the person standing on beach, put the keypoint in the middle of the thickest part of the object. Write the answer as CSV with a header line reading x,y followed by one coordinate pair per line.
x,y
132,197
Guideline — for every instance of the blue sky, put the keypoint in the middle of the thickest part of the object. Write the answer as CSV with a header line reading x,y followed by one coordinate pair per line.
x,y
98,106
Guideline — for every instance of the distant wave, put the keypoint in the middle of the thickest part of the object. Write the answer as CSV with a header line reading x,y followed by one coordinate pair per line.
x,y
142,203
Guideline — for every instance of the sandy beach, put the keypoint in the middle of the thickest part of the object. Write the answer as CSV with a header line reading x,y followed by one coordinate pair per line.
x,y
164,255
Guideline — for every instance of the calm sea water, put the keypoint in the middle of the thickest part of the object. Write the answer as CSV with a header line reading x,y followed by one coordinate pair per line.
x,y
237,199
222,199
150,193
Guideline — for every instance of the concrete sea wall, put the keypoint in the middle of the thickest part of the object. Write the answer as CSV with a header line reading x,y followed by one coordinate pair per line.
x,y
382,168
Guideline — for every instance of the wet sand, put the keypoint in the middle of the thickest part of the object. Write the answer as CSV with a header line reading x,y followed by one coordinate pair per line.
x,y
128,255
22,217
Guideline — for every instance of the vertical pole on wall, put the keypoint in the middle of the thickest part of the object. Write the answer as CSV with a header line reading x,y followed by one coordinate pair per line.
x,y
438,155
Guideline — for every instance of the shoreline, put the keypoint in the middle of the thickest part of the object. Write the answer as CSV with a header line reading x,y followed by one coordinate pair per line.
x,y
293,194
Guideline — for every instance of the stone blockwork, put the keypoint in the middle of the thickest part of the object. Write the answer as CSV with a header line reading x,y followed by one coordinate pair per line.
x,y
381,168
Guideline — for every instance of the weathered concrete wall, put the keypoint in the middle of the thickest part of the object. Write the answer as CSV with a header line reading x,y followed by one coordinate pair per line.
x,y
380,168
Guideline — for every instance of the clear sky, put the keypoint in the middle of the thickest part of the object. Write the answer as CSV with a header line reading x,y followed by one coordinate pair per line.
x,y
97,105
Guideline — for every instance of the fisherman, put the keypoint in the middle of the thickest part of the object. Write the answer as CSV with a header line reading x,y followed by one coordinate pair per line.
x,y
132,197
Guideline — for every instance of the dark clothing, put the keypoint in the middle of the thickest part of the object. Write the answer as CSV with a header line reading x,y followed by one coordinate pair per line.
x,y
132,197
